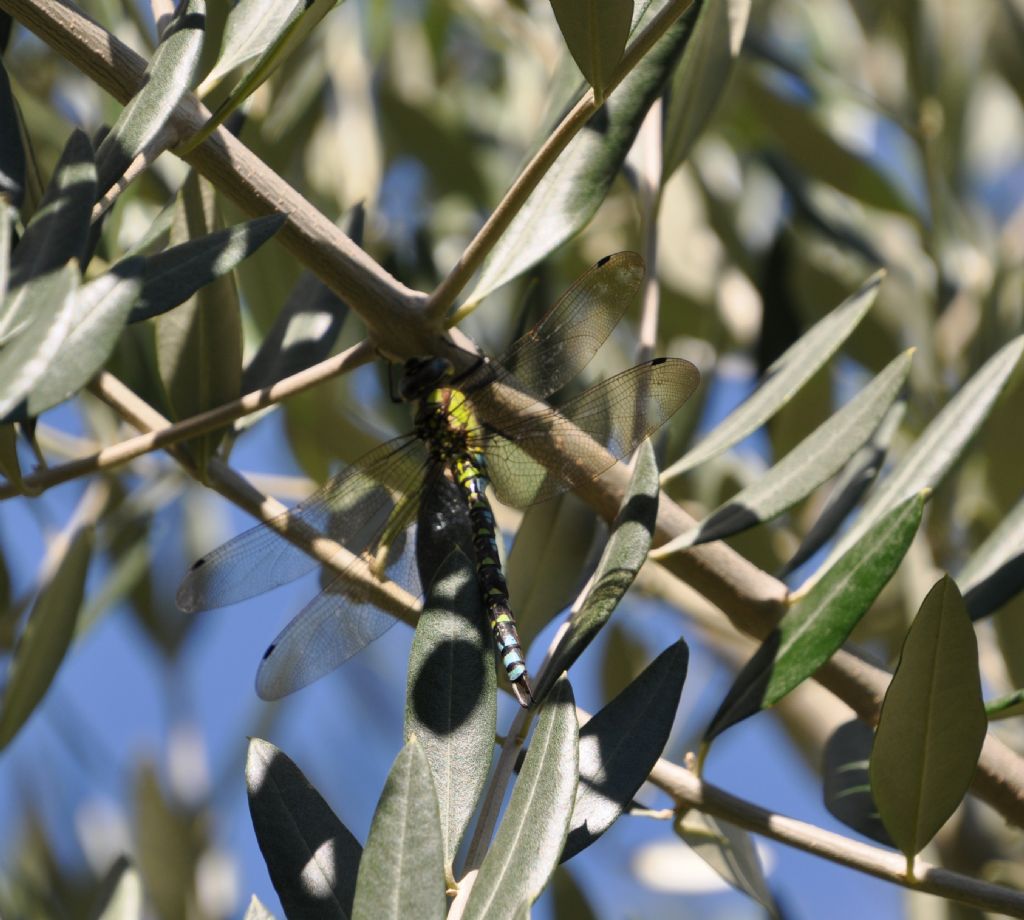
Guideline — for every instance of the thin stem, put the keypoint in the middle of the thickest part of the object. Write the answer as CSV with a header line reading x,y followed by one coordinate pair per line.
x,y
691,792
164,434
472,258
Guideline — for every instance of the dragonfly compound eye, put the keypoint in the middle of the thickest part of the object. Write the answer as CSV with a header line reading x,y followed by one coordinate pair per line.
x,y
421,375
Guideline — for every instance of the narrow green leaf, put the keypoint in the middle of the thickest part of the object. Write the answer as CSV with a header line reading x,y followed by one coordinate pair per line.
x,y
932,724
820,620
549,560
311,856
529,841
595,31
1005,707
940,444
814,460
847,785
287,40
58,232
995,571
101,309
451,703
626,551
701,77
620,745
199,345
41,647
122,897
800,362
174,275
12,153
169,77
252,28
402,870
730,851
570,193
257,910
50,303
568,898
853,481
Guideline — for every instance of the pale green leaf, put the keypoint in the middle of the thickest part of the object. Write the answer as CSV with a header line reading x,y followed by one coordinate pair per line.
x,y
819,621
123,899
41,647
8,215
800,362
311,856
940,444
257,910
814,460
620,745
626,551
168,78
1006,707
451,696
702,75
730,851
595,31
932,724
48,303
570,193
401,873
529,841
101,310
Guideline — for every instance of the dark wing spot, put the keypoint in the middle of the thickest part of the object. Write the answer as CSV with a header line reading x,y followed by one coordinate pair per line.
x,y
269,651
656,361
601,262
198,564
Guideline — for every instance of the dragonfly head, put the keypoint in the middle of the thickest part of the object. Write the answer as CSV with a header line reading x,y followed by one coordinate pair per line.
x,y
421,375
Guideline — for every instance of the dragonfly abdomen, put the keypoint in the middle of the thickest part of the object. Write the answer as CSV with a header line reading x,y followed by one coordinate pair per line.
x,y
470,473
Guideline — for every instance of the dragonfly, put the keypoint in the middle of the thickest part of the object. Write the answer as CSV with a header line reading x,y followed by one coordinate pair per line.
x,y
465,437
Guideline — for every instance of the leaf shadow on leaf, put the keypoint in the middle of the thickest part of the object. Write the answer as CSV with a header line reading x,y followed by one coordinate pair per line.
x,y
457,656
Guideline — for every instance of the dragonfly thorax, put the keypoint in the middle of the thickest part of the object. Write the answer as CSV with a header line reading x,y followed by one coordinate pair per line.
x,y
421,375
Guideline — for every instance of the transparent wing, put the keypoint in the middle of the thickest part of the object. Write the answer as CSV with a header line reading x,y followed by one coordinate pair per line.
x,y
564,340
352,509
344,618
538,456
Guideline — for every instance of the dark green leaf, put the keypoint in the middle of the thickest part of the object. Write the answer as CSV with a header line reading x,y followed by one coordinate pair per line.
x,y
10,466
815,459
42,646
402,870
621,744
701,77
59,229
940,444
311,856
48,305
451,697
101,309
595,32
12,153
932,724
847,785
569,900
800,362
569,195
528,843
626,551
819,621
995,571
174,275
730,851
168,78
8,215
199,345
